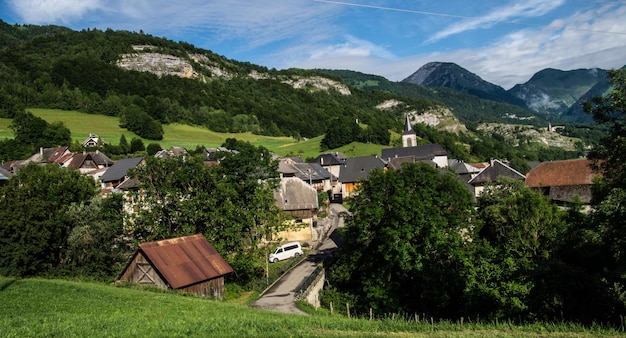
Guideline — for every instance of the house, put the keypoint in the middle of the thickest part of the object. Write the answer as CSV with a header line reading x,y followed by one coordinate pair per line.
x,y
84,163
93,141
190,264
332,162
562,181
172,152
212,155
431,153
356,169
490,174
312,173
118,172
465,170
297,198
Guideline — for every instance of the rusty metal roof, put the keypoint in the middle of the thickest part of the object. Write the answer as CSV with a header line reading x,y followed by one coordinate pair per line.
x,y
185,261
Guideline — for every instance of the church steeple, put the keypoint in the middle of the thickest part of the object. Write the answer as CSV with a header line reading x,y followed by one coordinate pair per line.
x,y
407,124
409,137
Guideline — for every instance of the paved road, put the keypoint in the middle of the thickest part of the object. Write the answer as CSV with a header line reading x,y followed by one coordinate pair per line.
x,y
280,296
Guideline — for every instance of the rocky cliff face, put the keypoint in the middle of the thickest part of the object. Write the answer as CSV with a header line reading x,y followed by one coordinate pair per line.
x,y
439,117
156,63
144,60
518,134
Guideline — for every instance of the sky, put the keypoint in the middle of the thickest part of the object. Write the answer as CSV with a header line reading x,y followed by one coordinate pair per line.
x,y
502,41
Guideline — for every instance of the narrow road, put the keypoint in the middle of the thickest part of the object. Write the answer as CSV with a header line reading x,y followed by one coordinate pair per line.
x,y
281,295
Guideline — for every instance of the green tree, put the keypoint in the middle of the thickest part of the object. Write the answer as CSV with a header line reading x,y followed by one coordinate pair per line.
x,y
231,207
340,131
124,146
96,246
609,198
33,205
521,230
153,148
136,145
407,243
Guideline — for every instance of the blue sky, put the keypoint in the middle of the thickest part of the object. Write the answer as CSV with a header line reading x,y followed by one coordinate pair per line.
x,y
503,41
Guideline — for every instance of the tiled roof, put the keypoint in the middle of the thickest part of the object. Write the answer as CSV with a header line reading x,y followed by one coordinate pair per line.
x,y
561,173
119,170
421,152
495,170
329,159
295,194
357,168
101,159
185,261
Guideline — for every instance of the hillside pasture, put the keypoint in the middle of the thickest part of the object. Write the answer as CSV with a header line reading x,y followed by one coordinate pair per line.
x,y
42,307
182,135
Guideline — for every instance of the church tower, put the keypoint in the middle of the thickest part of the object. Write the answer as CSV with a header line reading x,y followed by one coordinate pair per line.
x,y
409,137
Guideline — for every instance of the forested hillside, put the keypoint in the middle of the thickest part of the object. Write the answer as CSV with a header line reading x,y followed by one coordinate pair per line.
x,y
147,81
57,68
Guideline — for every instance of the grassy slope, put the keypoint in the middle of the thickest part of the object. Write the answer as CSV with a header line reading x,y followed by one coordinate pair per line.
x,y
39,307
81,125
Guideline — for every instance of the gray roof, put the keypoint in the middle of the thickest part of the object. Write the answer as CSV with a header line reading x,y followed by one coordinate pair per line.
x,y
295,194
120,169
328,159
358,168
317,172
101,159
422,152
461,167
495,170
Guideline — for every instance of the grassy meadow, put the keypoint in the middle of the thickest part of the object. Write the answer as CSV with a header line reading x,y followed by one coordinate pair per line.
x,y
59,308
181,135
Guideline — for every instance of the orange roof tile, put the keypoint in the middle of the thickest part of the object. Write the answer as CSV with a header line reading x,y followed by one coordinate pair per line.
x,y
561,173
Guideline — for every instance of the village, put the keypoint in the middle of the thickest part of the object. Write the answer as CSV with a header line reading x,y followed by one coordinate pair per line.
x,y
297,197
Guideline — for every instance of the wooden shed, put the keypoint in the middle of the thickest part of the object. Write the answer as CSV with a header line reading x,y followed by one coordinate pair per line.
x,y
190,264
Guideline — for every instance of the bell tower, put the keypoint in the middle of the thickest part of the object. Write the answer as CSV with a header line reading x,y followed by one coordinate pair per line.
x,y
409,137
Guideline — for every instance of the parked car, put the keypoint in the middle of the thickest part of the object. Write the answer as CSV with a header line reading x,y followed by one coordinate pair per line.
x,y
289,250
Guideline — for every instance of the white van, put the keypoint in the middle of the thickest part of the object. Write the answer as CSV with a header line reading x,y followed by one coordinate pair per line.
x,y
285,251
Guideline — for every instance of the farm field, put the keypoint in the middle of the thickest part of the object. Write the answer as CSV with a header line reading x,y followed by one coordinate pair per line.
x,y
180,135
41,307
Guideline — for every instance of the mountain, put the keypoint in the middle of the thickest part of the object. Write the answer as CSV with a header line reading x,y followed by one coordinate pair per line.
x,y
451,75
575,113
147,82
554,92
468,108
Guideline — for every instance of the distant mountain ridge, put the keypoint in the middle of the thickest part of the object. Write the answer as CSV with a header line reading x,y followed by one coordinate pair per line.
x,y
451,75
552,93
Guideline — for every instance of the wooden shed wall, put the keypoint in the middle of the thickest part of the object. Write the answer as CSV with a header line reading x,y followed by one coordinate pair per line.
x,y
140,271
212,288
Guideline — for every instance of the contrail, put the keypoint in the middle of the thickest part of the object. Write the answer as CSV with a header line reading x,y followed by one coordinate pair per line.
x,y
472,17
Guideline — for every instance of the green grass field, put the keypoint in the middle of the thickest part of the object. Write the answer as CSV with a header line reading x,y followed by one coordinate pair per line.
x,y
180,135
59,308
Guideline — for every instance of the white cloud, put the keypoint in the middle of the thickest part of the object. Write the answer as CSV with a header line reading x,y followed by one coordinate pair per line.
x,y
47,11
518,9
514,58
